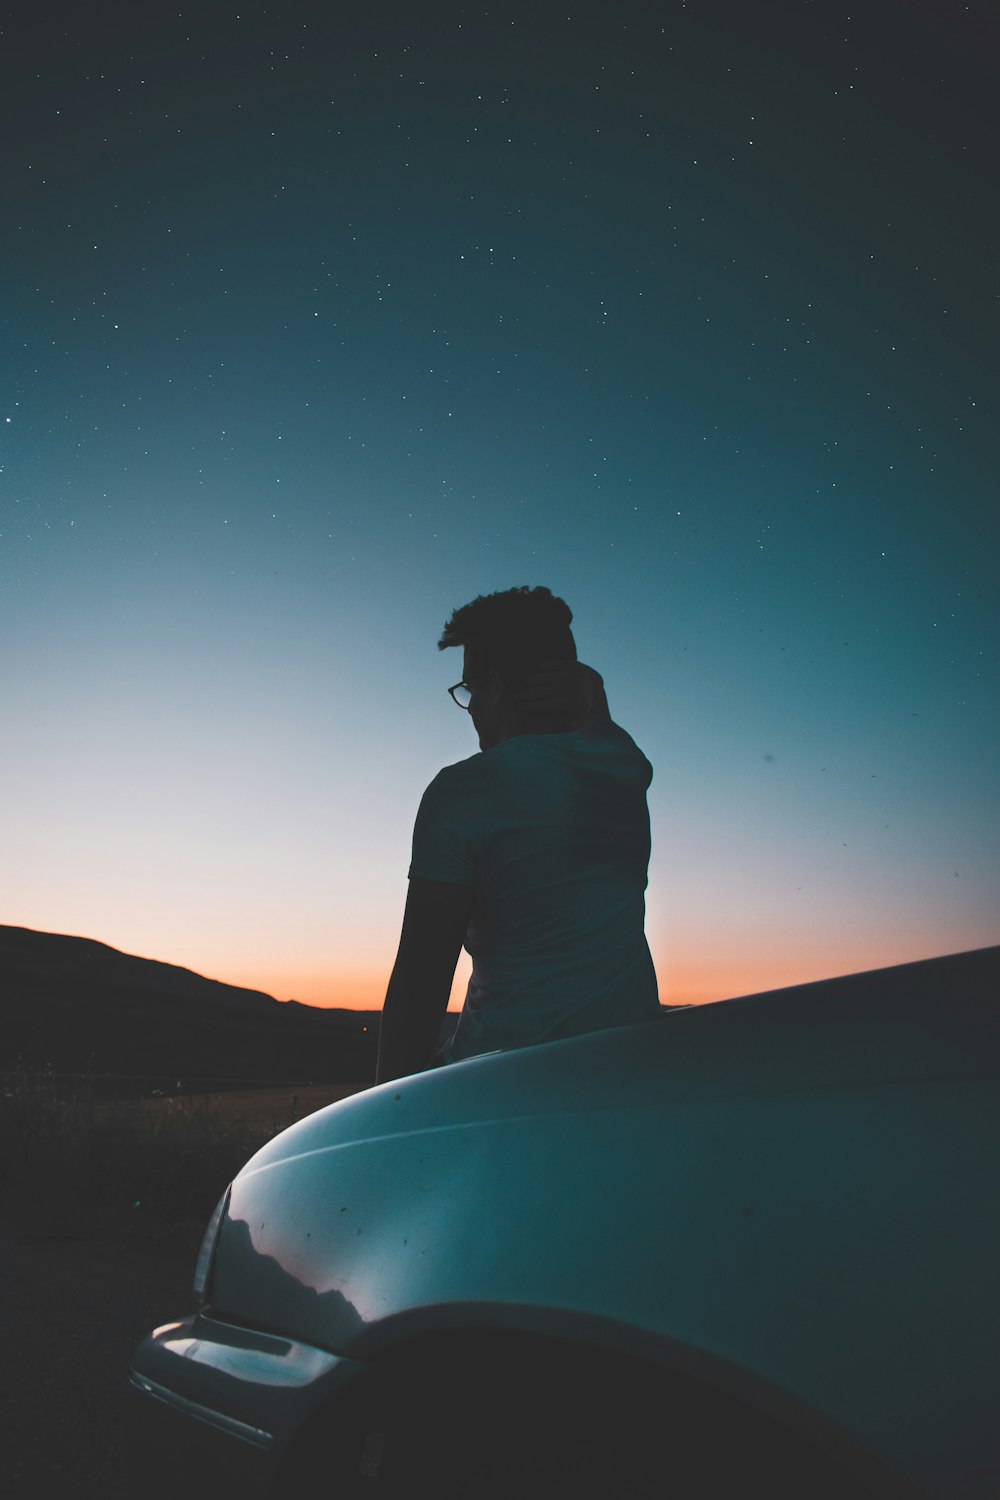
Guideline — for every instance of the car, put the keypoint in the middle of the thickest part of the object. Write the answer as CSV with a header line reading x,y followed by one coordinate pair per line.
x,y
749,1247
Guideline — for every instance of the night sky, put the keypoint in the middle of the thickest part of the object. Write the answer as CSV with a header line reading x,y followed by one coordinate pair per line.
x,y
322,320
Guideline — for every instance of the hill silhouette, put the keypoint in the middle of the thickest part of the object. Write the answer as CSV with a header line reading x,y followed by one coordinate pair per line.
x,y
74,1006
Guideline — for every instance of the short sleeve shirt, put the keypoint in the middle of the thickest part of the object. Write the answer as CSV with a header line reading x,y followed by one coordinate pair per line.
x,y
551,831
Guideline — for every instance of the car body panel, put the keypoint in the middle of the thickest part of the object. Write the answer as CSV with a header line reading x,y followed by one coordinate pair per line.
x,y
798,1189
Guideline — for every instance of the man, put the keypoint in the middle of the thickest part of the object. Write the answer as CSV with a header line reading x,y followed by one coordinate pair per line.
x,y
534,853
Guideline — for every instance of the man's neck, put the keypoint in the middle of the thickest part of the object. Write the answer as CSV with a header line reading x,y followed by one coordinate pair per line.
x,y
522,724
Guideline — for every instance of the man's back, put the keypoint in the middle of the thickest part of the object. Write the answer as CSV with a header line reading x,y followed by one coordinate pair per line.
x,y
551,831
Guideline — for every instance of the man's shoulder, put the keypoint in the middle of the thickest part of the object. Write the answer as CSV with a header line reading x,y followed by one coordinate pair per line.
x,y
480,778
460,776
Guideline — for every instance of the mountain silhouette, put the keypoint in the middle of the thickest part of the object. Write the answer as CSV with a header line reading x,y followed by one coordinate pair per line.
x,y
79,1008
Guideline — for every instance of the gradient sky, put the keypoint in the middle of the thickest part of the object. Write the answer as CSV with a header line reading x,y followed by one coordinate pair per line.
x,y
322,320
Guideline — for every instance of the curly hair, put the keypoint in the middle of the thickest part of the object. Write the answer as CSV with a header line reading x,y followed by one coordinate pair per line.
x,y
513,631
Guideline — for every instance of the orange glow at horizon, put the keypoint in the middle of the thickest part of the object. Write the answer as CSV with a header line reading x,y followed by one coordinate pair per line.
x,y
689,979
350,989
695,962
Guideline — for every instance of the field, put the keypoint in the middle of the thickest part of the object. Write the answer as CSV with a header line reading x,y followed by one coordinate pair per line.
x,y
268,1110
146,1171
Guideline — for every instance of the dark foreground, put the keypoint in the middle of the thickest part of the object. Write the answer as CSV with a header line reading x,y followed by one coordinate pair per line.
x,y
71,1314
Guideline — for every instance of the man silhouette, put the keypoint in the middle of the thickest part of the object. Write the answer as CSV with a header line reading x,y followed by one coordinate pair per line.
x,y
534,853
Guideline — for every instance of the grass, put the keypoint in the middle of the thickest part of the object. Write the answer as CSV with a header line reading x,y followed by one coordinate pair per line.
x,y
144,1171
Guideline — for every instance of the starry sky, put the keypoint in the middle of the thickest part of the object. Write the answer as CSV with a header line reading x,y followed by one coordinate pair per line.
x,y
322,320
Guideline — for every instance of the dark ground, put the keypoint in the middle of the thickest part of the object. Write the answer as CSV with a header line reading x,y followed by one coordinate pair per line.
x,y
71,1314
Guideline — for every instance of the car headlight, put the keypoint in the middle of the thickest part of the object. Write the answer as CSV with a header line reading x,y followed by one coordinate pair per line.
x,y
206,1255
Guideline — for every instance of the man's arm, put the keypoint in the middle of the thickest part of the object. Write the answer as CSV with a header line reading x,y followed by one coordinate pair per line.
x,y
435,922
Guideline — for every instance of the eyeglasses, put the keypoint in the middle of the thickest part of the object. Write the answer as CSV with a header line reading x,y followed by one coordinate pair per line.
x,y
461,694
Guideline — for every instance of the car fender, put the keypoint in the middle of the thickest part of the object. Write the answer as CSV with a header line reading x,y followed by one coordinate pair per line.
x,y
789,1236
